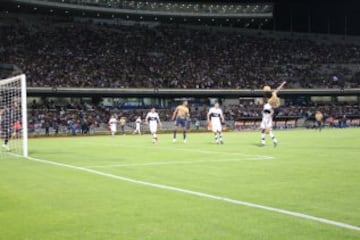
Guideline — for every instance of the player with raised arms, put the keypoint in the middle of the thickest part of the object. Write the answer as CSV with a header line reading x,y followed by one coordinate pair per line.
x,y
215,117
181,116
272,102
153,120
113,125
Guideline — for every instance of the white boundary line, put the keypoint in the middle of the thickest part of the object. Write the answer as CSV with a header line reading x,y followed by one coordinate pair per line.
x,y
200,194
119,165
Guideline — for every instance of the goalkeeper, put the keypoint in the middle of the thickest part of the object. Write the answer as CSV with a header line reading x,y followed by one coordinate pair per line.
x,y
6,125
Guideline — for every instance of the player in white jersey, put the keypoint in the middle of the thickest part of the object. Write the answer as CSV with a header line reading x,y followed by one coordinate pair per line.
x,y
113,125
137,126
215,117
153,120
272,101
266,124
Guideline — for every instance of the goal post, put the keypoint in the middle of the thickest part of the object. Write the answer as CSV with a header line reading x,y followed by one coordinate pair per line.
x,y
13,116
24,118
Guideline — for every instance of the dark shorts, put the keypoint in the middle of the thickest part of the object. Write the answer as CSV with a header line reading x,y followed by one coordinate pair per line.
x,y
319,123
181,122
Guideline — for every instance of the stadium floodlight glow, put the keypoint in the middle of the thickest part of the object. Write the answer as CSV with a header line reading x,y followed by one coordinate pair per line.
x,y
13,109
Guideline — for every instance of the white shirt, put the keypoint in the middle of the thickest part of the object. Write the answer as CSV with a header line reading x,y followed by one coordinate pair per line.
x,y
138,120
266,112
215,114
152,117
113,121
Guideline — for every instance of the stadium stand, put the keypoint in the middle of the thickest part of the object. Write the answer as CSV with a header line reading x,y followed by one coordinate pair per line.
x,y
173,8
58,53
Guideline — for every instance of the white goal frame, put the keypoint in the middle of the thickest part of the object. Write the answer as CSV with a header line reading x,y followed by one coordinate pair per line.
x,y
24,120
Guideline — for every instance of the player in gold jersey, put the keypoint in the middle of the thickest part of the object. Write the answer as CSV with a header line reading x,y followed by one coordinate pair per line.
x,y
181,116
319,117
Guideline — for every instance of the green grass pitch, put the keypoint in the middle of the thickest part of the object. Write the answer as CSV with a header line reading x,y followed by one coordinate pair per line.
x,y
313,173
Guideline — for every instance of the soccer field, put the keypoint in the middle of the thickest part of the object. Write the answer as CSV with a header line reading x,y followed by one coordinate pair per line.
x,y
127,188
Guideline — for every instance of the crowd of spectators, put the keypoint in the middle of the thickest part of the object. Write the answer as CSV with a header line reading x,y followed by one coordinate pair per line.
x,y
72,54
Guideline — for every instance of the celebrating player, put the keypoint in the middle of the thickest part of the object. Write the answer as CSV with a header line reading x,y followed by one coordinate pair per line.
x,y
113,125
215,117
152,119
272,102
137,126
180,116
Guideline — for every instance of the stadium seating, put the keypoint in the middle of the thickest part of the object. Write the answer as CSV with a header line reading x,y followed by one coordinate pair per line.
x,y
75,54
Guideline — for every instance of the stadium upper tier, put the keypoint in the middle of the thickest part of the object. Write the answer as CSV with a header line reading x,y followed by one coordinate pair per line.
x,y
168,8
71,54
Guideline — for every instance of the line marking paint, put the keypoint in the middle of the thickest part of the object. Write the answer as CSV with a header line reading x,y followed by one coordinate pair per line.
x,y
206,151
203,195
119,165
190,150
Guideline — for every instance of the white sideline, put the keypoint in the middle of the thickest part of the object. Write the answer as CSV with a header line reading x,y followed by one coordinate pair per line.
x,y
200,194
176,163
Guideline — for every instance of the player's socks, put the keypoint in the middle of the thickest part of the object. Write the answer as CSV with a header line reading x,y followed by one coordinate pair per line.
x,y
174,136
154,138
221,138
184,136
275,141
263,138
273,138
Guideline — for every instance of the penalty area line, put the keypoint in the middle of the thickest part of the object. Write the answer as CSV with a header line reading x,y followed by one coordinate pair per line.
x,y
192,150
200,194
120,165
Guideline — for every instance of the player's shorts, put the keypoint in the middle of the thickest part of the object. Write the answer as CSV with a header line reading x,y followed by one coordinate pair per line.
x,y
216,126
181,122
319,123
266,123
137,126
113,128
153,126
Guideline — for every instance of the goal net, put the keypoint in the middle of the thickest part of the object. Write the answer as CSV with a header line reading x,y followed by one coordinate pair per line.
x,y
13,116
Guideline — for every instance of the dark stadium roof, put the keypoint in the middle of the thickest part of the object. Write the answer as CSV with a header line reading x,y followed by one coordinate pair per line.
x,y
334,17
